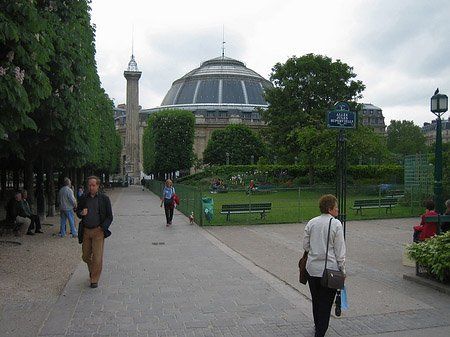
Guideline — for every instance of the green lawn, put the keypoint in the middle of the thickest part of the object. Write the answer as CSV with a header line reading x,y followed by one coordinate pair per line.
x,y
292,205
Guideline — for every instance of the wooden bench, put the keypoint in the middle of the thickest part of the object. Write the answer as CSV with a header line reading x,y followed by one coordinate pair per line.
x,y
262,209
439,219
395,194
7,225
387,203
261,189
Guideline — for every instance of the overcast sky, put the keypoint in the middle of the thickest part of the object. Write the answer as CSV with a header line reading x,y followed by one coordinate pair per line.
x,y
399,49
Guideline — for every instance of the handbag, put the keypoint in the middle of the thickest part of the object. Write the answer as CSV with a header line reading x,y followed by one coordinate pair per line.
x,y
331,278
302,268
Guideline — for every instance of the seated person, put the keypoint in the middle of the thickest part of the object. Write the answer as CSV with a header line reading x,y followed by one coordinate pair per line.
x,y
252,185
15,213
35,220
426,229
215,185
446,225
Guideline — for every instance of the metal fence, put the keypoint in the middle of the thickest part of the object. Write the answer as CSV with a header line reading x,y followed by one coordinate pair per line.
x,y
289,204
190,198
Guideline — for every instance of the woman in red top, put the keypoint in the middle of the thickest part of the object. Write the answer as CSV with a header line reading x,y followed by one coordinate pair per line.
x,y
428,228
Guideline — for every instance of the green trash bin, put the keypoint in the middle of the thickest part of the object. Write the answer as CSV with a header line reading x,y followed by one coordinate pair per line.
x,y
208,205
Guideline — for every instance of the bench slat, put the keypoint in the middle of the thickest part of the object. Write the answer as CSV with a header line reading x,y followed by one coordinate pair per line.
x,y
435,218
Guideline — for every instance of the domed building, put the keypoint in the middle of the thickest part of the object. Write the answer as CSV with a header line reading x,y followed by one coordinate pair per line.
x,y
221,91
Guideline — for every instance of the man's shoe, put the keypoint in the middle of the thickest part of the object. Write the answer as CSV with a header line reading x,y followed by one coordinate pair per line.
x,y
38,231
94,285
30,233
74,236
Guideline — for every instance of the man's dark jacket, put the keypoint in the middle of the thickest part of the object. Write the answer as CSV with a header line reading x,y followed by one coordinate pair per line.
x,y
13,209
105,209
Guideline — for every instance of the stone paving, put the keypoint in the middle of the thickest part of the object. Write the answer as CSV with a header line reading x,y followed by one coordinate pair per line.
x,y
182,281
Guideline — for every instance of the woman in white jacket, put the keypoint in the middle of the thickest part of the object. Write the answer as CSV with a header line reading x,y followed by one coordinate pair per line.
x,y
315,242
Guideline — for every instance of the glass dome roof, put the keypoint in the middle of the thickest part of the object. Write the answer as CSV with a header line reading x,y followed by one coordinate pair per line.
x,y
221,80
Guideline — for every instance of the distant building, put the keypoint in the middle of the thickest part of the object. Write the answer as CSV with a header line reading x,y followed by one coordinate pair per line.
x,y
372,116
220,92
429,130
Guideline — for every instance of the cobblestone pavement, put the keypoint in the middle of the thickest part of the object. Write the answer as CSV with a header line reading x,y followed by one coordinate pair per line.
x,y
183,281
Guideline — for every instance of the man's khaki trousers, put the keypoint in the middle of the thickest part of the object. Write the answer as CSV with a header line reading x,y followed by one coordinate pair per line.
x,y
93,242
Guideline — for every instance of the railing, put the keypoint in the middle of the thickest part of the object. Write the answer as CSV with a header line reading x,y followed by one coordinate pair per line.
x,y
190,198
289,204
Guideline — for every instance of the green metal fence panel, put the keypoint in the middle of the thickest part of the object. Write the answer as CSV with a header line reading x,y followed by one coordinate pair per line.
x,y
290,205
190,198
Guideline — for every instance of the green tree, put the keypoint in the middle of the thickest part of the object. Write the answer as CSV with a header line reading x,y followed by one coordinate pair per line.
x,y
24,54
168,141
69,120
366,147
73,127
236,139
317,146
303,90
405,138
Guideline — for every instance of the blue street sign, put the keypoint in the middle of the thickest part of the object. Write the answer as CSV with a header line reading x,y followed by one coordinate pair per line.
x,y
342,117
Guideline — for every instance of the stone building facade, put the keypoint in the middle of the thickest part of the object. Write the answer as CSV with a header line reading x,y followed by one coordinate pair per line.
x,y
220,92
429,130
372,116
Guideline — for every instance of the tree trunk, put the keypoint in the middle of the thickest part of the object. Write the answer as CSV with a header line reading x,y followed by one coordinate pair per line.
x,y
3,184
311,174
16,180
51,210
28,180
40,194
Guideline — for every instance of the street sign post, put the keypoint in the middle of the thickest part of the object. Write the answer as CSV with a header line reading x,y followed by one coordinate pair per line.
x,y
341,118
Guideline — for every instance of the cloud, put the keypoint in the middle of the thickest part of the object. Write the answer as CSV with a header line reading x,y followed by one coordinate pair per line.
x,y
398,49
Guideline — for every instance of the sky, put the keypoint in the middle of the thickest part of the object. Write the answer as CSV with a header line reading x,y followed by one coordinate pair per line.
x,y
399,49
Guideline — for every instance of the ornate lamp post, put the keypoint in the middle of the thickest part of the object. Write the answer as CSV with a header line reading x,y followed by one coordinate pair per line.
x,y
439,105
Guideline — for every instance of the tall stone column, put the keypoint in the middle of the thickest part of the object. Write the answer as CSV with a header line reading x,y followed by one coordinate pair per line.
x,y
133,148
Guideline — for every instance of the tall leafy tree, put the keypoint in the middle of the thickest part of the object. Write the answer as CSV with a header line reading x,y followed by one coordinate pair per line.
x,y
25,50
50,46
303,90
168,141
65,117
236,139
405,138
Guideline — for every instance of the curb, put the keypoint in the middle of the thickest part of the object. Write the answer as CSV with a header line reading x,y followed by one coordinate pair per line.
x,y
443,288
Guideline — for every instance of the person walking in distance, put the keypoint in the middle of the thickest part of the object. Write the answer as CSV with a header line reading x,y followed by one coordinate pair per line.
x,y
167,200
67,203
95,211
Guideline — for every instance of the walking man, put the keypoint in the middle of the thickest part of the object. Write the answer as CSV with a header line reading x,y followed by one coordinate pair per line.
x,y
94,210
67,203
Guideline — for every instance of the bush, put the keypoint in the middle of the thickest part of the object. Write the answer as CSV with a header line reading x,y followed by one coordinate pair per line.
x,y
434,255
323,174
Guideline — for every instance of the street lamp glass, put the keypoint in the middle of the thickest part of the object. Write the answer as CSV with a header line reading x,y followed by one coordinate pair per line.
x,y
439,103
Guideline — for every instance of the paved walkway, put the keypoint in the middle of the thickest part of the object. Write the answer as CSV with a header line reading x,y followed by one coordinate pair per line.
x,y
188,281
